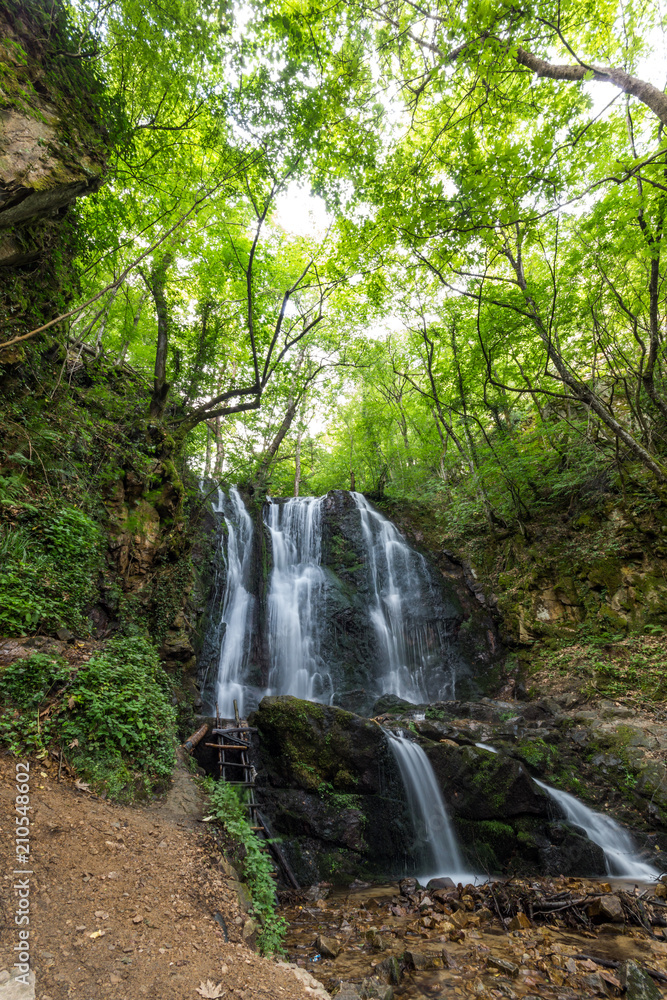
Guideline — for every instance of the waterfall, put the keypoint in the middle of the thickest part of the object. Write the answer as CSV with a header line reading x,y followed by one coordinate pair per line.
x,y
435,839
296,600
237,604
398,580
619,851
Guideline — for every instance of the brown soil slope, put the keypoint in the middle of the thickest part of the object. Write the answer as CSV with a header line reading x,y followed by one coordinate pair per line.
x,y
122,900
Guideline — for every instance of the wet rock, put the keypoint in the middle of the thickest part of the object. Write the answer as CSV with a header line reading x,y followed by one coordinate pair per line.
x,y
440,883
637,983
408,886
347,991
447,960
502,965
373,988
595,986
327,946
570,851
375,940
606,910
389,970
520,922
391,704
316,892
417,960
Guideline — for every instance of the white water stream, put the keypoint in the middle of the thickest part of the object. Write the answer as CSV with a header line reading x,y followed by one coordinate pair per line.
x,y
619,850
296,600
398,578
237,606
435,839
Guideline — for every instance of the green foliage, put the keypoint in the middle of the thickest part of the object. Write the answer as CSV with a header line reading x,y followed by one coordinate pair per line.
x,y
48,567
112,717
25,685
338,800
122,718
228,809
536,752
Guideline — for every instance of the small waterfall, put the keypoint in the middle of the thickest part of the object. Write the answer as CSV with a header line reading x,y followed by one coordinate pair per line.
x,y
296,600
619,851
434,837
237,606
398,579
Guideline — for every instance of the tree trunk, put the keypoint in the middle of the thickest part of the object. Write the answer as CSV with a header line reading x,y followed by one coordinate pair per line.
x,y
219,449
297,465
207,465
156,283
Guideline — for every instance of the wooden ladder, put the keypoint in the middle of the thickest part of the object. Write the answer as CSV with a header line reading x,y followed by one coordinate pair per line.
x,y
234,741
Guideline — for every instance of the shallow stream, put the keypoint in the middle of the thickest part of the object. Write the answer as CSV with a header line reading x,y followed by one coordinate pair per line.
x,y
412,946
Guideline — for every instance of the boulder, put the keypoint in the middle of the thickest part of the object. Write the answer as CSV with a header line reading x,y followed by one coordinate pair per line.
x,y
328,947
373,988
520,922
440,883
389,970
637,983
606,910
417,960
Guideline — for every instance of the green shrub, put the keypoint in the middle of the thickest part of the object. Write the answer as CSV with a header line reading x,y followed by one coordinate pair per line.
x,y
228,809
112,718
48,570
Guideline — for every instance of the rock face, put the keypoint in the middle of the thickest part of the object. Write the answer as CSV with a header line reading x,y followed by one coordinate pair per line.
x,y
330,787
53,148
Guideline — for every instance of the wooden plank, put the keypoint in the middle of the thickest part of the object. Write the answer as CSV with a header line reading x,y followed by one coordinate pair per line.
x,y
228,746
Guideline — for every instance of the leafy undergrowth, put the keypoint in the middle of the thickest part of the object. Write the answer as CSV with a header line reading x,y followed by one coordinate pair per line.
x,y
607,665
111,718
228,809
50,554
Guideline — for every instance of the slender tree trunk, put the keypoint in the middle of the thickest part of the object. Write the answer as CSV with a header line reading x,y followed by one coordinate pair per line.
x,y
297,465
156,282
207,465
219,449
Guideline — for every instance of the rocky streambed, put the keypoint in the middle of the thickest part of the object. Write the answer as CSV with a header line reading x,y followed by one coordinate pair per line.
x,y
583,938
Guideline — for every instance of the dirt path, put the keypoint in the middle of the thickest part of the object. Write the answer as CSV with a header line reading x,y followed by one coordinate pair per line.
x,y
123,901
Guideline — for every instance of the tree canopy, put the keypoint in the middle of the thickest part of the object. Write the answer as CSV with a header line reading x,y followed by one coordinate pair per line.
x,y
481,317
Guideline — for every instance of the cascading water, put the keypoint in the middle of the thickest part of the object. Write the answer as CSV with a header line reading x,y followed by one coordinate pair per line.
x,y
619,851
237,606
296,600
435,840
398,579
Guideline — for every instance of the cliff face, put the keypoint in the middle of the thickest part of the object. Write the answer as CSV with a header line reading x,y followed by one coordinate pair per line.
x,y
54,140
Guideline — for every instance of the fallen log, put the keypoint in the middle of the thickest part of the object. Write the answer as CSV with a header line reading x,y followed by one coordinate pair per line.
x,y
196,738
